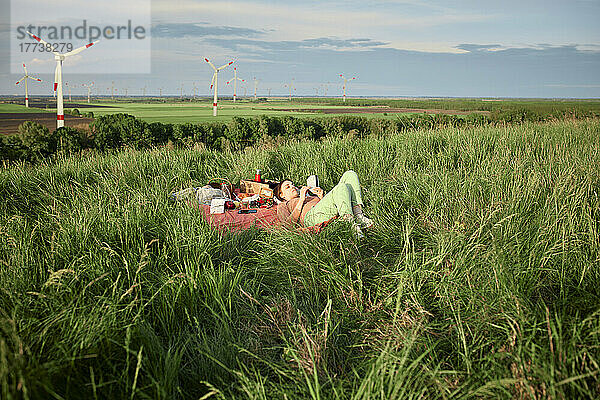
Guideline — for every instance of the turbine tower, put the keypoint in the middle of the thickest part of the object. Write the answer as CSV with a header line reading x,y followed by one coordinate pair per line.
x,y
215,82
291,86
325,88
144,91
345,82
194,88
112,90
67,85
89,89
25,78
234,80
255,86
60,113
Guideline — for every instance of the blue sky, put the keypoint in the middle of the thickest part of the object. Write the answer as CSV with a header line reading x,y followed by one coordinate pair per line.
x,y
394,48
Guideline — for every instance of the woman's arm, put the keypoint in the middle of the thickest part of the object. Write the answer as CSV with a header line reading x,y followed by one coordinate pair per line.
x,y
298,209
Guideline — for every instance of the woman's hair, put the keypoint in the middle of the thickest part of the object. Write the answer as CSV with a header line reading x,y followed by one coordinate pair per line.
x,y
277,190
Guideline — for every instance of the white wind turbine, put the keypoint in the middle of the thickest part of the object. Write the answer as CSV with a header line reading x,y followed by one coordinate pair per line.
x,y
60,113
234,80
215,82
89,89
194,89
25,78
325,87
291,86
255,86
345,82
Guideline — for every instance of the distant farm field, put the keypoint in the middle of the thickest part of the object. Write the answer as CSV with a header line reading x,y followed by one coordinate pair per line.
x,y
480,280
182,112
6,108
11,115
194,112
172,110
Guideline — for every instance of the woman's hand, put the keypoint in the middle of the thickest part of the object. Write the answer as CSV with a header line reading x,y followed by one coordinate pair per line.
x,y
303,192
317,191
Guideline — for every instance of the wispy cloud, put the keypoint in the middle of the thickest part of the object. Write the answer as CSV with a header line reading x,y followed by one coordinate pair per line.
x,y
340,43
528,48
323,43
171,30
478,47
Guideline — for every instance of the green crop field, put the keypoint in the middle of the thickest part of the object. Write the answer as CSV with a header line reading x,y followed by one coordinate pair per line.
x,y
201,111
480,280
152,110
170,110
183,112
189,112
17,108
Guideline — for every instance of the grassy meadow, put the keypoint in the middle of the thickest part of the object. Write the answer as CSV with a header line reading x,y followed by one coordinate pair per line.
x,y
19,108
480,281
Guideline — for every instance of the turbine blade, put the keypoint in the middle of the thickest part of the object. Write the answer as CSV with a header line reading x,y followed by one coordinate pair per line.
x,y
59,74
56,77
226,65
213,80
35,79
20,80
25,68
43,42
211,64
80,49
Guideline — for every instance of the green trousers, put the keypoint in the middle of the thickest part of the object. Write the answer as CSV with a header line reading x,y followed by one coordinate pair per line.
x,y
339,201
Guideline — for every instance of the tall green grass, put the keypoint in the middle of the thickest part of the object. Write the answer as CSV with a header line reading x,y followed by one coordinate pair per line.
x,y
481,280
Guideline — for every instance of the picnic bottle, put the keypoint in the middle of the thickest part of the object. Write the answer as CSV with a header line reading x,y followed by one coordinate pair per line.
x,y
257,177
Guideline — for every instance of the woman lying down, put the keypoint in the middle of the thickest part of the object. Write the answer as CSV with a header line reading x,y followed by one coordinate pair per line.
x,y
344,200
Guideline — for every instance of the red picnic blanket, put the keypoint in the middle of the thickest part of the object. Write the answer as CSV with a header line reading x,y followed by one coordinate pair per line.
x,y
263,218
231,220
